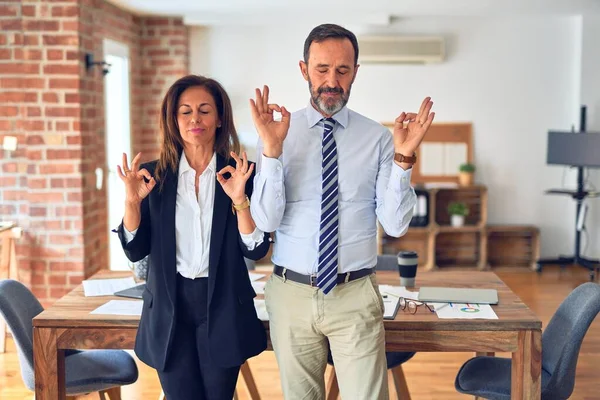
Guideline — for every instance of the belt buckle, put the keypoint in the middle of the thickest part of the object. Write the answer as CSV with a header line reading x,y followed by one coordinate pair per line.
x,y
312,280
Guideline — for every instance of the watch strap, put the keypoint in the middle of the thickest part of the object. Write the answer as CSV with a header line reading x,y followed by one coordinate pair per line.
x,y
405,159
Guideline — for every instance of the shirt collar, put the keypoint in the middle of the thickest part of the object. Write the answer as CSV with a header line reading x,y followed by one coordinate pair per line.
x,y
184,165
313,116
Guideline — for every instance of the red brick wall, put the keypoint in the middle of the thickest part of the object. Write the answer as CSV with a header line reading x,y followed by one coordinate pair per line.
x,y
164,58
56,109
98,20
17,63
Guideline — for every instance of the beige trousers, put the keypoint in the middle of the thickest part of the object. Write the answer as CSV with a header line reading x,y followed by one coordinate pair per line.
x,y
303,321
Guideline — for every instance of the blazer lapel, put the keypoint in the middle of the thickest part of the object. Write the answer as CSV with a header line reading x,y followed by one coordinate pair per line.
x,y
219,221
167,216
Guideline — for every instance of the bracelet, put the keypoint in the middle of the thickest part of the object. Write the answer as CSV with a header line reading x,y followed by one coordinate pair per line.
x,y
239,207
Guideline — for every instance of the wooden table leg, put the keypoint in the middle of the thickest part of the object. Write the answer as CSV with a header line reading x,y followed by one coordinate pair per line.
x,y
400,383
333,390
49,365
527,366
249,379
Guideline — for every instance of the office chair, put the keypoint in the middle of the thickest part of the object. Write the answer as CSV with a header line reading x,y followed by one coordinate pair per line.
x,y
489,377
86,371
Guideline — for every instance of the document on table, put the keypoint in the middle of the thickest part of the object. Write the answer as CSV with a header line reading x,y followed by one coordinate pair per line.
x,y
106,287
464,311
391,299
254,276
120,307
6,224
261,309
259,287
390,307
398,291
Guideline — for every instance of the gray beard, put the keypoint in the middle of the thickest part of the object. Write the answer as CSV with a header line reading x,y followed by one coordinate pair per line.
x,y
325,108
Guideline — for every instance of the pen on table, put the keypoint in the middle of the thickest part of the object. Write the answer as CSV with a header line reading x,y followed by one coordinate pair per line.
x,y
450,305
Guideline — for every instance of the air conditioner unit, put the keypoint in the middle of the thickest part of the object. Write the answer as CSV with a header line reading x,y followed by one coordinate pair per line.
x,y
401,49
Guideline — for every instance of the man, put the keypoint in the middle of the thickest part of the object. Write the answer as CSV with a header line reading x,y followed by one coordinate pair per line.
x,y
325,176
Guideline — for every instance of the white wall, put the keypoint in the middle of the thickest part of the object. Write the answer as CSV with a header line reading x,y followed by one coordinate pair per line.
x,y
513,78
590,96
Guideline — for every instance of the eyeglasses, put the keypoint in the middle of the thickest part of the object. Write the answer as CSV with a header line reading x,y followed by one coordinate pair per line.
x,y
412,305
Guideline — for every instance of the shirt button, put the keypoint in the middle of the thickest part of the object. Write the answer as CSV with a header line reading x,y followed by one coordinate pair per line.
x,y
278,168
278,195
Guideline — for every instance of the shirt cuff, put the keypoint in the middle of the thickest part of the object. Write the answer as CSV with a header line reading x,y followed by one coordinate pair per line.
x,y
129,236
400,178
271,167
251,240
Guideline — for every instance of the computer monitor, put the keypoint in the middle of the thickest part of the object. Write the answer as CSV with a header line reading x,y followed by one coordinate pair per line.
x,y
571,148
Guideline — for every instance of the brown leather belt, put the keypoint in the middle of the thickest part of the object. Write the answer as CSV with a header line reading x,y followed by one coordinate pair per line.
x,y
311,280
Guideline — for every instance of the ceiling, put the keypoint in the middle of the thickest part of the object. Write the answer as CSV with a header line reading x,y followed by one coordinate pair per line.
x,y
371,12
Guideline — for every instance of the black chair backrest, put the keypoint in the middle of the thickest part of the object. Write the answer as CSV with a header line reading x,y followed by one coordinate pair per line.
x,y
19,306
562,339
387,262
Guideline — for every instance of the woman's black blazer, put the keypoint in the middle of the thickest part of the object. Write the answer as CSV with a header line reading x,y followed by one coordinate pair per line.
x,y
234,331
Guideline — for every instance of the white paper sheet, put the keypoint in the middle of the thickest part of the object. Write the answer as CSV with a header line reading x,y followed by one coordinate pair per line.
x,y
455,154
398,291
432,158
120,307
390,304
261,309
4,224
255,276
440,185
106,287
464,311
259,287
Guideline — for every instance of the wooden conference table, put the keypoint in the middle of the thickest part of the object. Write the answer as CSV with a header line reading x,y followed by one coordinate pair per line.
x,y
67,324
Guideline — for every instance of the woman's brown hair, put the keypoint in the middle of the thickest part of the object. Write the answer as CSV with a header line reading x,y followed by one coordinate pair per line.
x,y
226,139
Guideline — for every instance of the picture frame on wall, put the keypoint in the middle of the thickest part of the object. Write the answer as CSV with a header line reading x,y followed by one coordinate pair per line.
x,y
445,147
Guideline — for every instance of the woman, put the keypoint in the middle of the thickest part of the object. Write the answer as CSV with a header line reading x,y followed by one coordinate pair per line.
x,y
198,322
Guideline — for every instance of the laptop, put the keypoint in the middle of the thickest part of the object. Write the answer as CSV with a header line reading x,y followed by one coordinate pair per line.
x,y
133,292
458,295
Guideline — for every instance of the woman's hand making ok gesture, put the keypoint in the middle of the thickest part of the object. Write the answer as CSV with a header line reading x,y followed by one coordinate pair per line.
x,y
136,188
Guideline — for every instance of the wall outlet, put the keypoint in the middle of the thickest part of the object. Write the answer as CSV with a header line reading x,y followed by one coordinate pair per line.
x,y
10,143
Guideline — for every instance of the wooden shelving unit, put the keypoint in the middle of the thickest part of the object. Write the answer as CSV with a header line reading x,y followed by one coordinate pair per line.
x,y
513,245
474,245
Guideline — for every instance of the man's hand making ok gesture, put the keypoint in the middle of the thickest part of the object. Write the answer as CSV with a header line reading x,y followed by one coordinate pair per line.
x,y
271,132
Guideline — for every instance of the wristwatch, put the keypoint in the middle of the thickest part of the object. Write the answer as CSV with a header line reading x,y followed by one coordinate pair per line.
x,y
405,159
238,207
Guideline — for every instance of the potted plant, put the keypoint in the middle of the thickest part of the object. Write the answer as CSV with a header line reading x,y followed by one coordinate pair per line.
x,y
458,211
465,176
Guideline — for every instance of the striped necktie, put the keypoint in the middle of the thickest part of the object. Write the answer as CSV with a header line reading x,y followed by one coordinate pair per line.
x,y
328,233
